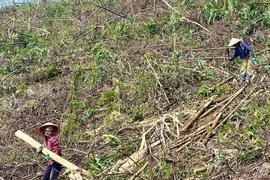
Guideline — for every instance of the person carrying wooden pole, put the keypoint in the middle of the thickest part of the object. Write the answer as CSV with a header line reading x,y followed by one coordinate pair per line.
x,y
51,142
73,171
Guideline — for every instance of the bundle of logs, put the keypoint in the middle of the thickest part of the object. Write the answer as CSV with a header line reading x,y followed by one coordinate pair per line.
x,y
161,129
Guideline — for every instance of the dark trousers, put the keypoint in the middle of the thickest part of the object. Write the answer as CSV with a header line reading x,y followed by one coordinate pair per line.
x,y
52,171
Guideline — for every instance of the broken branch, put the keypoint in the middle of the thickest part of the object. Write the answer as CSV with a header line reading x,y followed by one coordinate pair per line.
x,y
215,122
219,84
185,17
138,172
199,113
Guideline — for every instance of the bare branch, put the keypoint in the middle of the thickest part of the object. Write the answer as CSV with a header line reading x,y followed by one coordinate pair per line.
x,y
185,17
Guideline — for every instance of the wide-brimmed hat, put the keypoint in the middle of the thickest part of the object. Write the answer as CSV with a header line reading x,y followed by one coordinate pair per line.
x,y
234,41
56,129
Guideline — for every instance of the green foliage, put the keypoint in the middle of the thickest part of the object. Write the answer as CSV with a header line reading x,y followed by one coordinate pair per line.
x,y
249,156
97,164
253,14
261,118
13,155
111,140
68,128
20,89
201,62
44,74
1,91
97,75
75,105
119,29
109,120
114,74
163,170
86,115
107,98
176,56
207,73
58,10
203,91
215,11
99,52
6,68
265,19
172,23
253,11
52,72
3,49
218,161
153,27
222,90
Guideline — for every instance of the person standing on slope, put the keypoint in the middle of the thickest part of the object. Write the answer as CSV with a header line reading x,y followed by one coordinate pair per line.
x,y
49,132
245,52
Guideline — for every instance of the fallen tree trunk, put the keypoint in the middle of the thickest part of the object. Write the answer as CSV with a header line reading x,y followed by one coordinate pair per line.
x,y
75,170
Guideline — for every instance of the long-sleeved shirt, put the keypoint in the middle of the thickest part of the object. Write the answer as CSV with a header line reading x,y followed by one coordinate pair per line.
x,y
243,51
53,145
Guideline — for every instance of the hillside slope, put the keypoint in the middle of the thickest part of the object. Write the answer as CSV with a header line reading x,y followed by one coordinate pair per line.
x,y
138,71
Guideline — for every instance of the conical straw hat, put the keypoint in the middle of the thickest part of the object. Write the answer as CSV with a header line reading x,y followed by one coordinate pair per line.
x,y
234,41
40,130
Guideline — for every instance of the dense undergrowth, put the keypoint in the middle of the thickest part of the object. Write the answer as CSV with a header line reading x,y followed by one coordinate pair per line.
x,y
95,67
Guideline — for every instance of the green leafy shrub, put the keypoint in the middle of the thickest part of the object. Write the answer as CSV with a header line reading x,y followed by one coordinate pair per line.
x,y
215,11
107,98
203,91
222,90
163,170
97,164
152,27
52,72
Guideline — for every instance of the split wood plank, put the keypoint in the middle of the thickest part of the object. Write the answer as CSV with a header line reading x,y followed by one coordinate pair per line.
x,y
72,167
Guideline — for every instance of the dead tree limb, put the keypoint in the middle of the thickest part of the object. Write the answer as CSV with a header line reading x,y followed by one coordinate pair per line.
x,y
158,80
220,99
232,112
188,137
187,143
221,83
185,17
192,120
201,169
215,122
214,107
233,97
138,172
8,75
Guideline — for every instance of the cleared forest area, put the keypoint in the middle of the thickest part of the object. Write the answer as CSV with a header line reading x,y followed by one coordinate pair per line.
x,y
141,89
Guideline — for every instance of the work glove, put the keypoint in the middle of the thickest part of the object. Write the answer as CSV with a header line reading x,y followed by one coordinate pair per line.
x,y
255,60
39,150
47,156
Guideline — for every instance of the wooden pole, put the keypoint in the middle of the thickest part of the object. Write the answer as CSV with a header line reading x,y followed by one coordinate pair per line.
x,y
198,114
72,167
215,122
